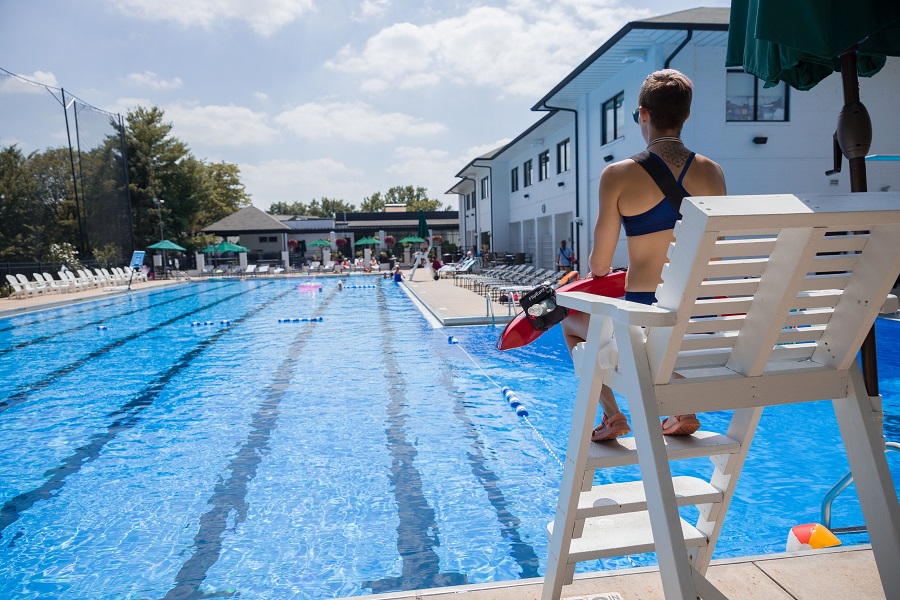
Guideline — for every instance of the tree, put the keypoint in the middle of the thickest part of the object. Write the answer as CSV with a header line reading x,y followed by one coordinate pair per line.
x,y
415,198
325,208
153,156
373,203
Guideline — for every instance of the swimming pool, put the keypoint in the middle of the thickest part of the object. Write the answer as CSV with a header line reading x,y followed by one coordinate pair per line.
x,y
188,442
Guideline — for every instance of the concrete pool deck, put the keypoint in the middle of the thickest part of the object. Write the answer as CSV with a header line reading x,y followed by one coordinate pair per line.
x,y
811,575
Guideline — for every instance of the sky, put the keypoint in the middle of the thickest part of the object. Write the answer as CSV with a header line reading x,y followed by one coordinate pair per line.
x,y
310,98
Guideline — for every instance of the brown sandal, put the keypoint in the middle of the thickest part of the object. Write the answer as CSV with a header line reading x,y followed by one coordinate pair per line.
x,y
610,428
683,425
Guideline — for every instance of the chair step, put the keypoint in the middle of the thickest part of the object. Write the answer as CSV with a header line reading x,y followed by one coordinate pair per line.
x,y
622,451
628,497
621,535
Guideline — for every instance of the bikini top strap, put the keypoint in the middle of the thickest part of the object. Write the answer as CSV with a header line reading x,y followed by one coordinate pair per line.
x,y
662,176
687,165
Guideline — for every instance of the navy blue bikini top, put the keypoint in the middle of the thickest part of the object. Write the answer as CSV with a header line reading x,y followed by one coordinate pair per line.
x,y
664,214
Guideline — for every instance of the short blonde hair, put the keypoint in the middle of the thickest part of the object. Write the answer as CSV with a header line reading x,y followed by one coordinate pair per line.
x,y
667,95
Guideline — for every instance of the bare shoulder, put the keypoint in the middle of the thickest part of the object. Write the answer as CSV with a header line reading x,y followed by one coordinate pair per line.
x,y
709,175
619,171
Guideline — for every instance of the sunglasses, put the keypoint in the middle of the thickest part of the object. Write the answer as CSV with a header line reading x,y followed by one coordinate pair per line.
x,y
636,115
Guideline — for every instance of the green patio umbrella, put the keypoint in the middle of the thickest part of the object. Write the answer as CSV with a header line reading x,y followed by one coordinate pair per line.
x,y
423,225
320,243
801,42
209,249
367,240
411,240
224,247
166,245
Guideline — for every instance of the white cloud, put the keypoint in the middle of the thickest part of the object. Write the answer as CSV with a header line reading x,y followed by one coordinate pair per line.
x,y
522,48
213,125
13,85
301,181
372,8
434,169
261,95
265,17
353,121
152,80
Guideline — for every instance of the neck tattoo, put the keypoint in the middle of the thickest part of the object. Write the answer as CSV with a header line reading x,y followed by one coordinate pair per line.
x,y
666,138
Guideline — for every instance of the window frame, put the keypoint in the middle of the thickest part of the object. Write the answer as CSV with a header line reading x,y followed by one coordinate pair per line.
x,y
756,85
484,188
514,179
544,165
527,173
603,114
562,159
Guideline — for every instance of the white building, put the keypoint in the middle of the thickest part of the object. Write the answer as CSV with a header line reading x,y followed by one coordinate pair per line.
x,y
775,140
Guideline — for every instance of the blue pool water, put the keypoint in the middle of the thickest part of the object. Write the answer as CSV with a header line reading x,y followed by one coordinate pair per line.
x,y
144,455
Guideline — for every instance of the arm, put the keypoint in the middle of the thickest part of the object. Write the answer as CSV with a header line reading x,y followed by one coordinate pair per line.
x,y
606,229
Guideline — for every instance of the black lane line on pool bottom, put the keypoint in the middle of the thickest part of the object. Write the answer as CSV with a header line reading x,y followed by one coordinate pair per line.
x,y
230,496
521,551
45,315
50,336
417,530
21,395
127,416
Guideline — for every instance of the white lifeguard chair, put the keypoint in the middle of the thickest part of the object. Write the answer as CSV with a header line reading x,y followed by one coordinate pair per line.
x,y
765,301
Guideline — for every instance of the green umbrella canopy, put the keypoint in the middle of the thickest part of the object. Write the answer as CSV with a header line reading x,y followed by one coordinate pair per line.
x,y
322,243
411,240
423,225
367,240
209,249
166,245
800,41
223,247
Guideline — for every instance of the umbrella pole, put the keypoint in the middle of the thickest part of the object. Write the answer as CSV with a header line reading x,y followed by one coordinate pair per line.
x,y
854,133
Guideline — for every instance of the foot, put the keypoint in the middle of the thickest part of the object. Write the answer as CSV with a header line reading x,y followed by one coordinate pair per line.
x,y
610,428
680,425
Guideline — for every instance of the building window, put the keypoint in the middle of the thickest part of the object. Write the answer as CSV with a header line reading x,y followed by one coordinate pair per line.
x,y
484,188
514,179
562,157
613,118
543,165
268,239
747,100
526,173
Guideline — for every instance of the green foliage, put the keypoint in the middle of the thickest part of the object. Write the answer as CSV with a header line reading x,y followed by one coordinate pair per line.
x,y
415,198
325,208
110,254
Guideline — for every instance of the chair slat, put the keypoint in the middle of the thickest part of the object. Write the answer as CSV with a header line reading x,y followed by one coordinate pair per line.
x,y
801,334
744,267
745,247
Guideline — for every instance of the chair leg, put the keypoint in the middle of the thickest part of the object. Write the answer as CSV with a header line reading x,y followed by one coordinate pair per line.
x,y
860,420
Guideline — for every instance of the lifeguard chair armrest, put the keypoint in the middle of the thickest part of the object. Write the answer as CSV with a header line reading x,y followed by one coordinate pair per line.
x,y
891,305
630,313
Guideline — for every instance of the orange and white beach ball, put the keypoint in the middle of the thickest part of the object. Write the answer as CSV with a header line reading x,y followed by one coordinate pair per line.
x,y
811,536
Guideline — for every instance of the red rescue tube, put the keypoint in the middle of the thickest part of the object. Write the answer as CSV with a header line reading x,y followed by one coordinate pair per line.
x,y
519,332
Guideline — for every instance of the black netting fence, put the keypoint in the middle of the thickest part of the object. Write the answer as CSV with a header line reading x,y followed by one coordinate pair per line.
x,y
63,175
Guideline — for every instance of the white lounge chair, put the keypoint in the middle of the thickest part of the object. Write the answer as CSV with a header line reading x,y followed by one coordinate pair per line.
x,y
19,291
278,270
39,290
250,270
77,282
63,282
262,270
138,274
314,267
55,287
88,278
765,301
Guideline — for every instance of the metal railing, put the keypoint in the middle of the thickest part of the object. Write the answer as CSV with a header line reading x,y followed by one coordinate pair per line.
x,y
838,488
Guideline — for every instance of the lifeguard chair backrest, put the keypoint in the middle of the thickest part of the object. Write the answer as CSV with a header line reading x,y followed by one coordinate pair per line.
x,y
767,283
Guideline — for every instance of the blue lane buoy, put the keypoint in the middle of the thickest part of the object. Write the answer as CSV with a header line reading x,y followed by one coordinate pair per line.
x,y
452,340
303,320
225,322
514,401
102,327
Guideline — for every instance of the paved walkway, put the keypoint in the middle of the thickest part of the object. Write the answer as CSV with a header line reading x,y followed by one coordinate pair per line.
x,y
453,305
17,306
812,575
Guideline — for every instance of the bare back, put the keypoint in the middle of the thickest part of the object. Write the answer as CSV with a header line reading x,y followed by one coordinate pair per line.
x,y
628,190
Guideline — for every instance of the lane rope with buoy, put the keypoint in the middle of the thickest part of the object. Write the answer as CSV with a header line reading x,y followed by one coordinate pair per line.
x,y
511,398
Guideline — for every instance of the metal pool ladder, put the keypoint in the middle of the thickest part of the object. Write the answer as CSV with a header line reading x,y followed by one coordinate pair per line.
x,y
838,488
